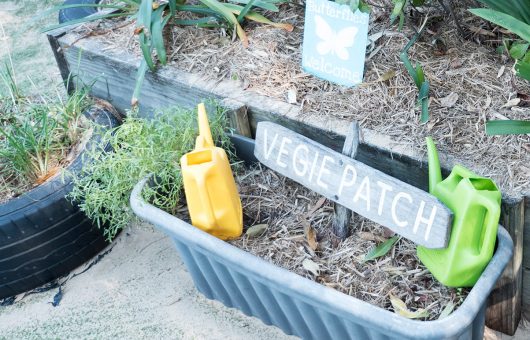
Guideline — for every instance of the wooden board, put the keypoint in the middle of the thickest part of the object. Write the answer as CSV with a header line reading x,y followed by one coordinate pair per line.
x,y
526,293
504,302
526,260
407,210
526,235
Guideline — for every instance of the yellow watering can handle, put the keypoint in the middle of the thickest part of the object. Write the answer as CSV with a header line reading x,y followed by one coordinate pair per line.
x,y
205,201
204,140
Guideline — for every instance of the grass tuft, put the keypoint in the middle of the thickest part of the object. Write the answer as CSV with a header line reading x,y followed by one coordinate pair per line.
x,y
36,134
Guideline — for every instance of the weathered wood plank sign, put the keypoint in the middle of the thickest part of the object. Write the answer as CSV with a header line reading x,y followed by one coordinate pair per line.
x,y
407,210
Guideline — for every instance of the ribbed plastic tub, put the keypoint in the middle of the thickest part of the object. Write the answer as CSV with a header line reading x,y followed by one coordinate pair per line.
x,y
305,308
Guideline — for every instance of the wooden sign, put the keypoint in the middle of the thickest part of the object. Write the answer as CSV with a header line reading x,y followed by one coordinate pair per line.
x,y
334,44
407,210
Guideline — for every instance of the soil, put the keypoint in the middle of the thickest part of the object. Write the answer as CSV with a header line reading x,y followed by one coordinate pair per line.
x,y
298,224
470,83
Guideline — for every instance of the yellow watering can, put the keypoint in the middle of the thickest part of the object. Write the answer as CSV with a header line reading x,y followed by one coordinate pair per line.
x,y
209,185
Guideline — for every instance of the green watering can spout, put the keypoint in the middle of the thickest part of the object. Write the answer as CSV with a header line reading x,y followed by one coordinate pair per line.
x,y
435,171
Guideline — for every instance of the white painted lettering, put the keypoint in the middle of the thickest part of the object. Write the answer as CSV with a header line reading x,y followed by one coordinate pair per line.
x,y
384,188
313,166
343,182
301,160
394,205
267,152
283,151
364,192
421,219
323,170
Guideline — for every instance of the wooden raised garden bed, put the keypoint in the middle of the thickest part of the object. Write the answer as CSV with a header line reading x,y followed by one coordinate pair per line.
x,y
113,73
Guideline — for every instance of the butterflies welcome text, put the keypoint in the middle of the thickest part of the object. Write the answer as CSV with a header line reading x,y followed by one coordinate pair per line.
x,y
343,13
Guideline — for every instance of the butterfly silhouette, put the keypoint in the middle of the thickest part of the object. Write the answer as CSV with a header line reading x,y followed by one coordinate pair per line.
x,y
336,43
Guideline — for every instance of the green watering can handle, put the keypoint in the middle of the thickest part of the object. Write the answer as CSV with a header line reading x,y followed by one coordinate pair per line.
x,y
435,172
490,219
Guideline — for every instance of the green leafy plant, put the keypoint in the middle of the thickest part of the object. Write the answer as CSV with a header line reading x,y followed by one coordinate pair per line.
x,y
517,50
518,9
419,78
152,16
141,146
513,15
399,8
507,127
381,250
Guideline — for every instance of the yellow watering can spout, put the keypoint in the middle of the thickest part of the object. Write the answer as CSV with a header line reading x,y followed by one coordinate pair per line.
x,y
204,140
209,185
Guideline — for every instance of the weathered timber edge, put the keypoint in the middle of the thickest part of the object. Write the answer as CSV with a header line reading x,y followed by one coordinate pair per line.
x,y
504,311
112,74
526,260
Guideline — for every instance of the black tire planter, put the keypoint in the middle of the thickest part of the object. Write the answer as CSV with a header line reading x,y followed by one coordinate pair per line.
x,y
75,13
42,234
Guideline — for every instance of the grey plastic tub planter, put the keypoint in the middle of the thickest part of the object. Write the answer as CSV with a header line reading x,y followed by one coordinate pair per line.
x,y
305,308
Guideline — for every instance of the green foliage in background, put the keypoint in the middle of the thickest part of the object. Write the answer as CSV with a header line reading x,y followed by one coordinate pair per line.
x,y
399,10
518,9
513,15
355,5
507,127
141,146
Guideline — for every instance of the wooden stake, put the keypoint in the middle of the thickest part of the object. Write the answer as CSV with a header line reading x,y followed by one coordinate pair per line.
x,y
238,117
504,303
341,214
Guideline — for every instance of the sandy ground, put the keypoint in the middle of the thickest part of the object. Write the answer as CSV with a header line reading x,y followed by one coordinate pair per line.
x,y
139,290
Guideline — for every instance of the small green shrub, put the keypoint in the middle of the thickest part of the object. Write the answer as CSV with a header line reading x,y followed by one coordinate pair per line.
x,y
141,146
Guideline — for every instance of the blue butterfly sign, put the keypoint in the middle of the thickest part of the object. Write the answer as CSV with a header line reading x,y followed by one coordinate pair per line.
x,y
334,42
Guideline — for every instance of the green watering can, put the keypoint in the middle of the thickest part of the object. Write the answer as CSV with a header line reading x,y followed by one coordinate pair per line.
x,y
475,203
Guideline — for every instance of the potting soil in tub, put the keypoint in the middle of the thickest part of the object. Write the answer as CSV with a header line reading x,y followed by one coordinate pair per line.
x,y
290,226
